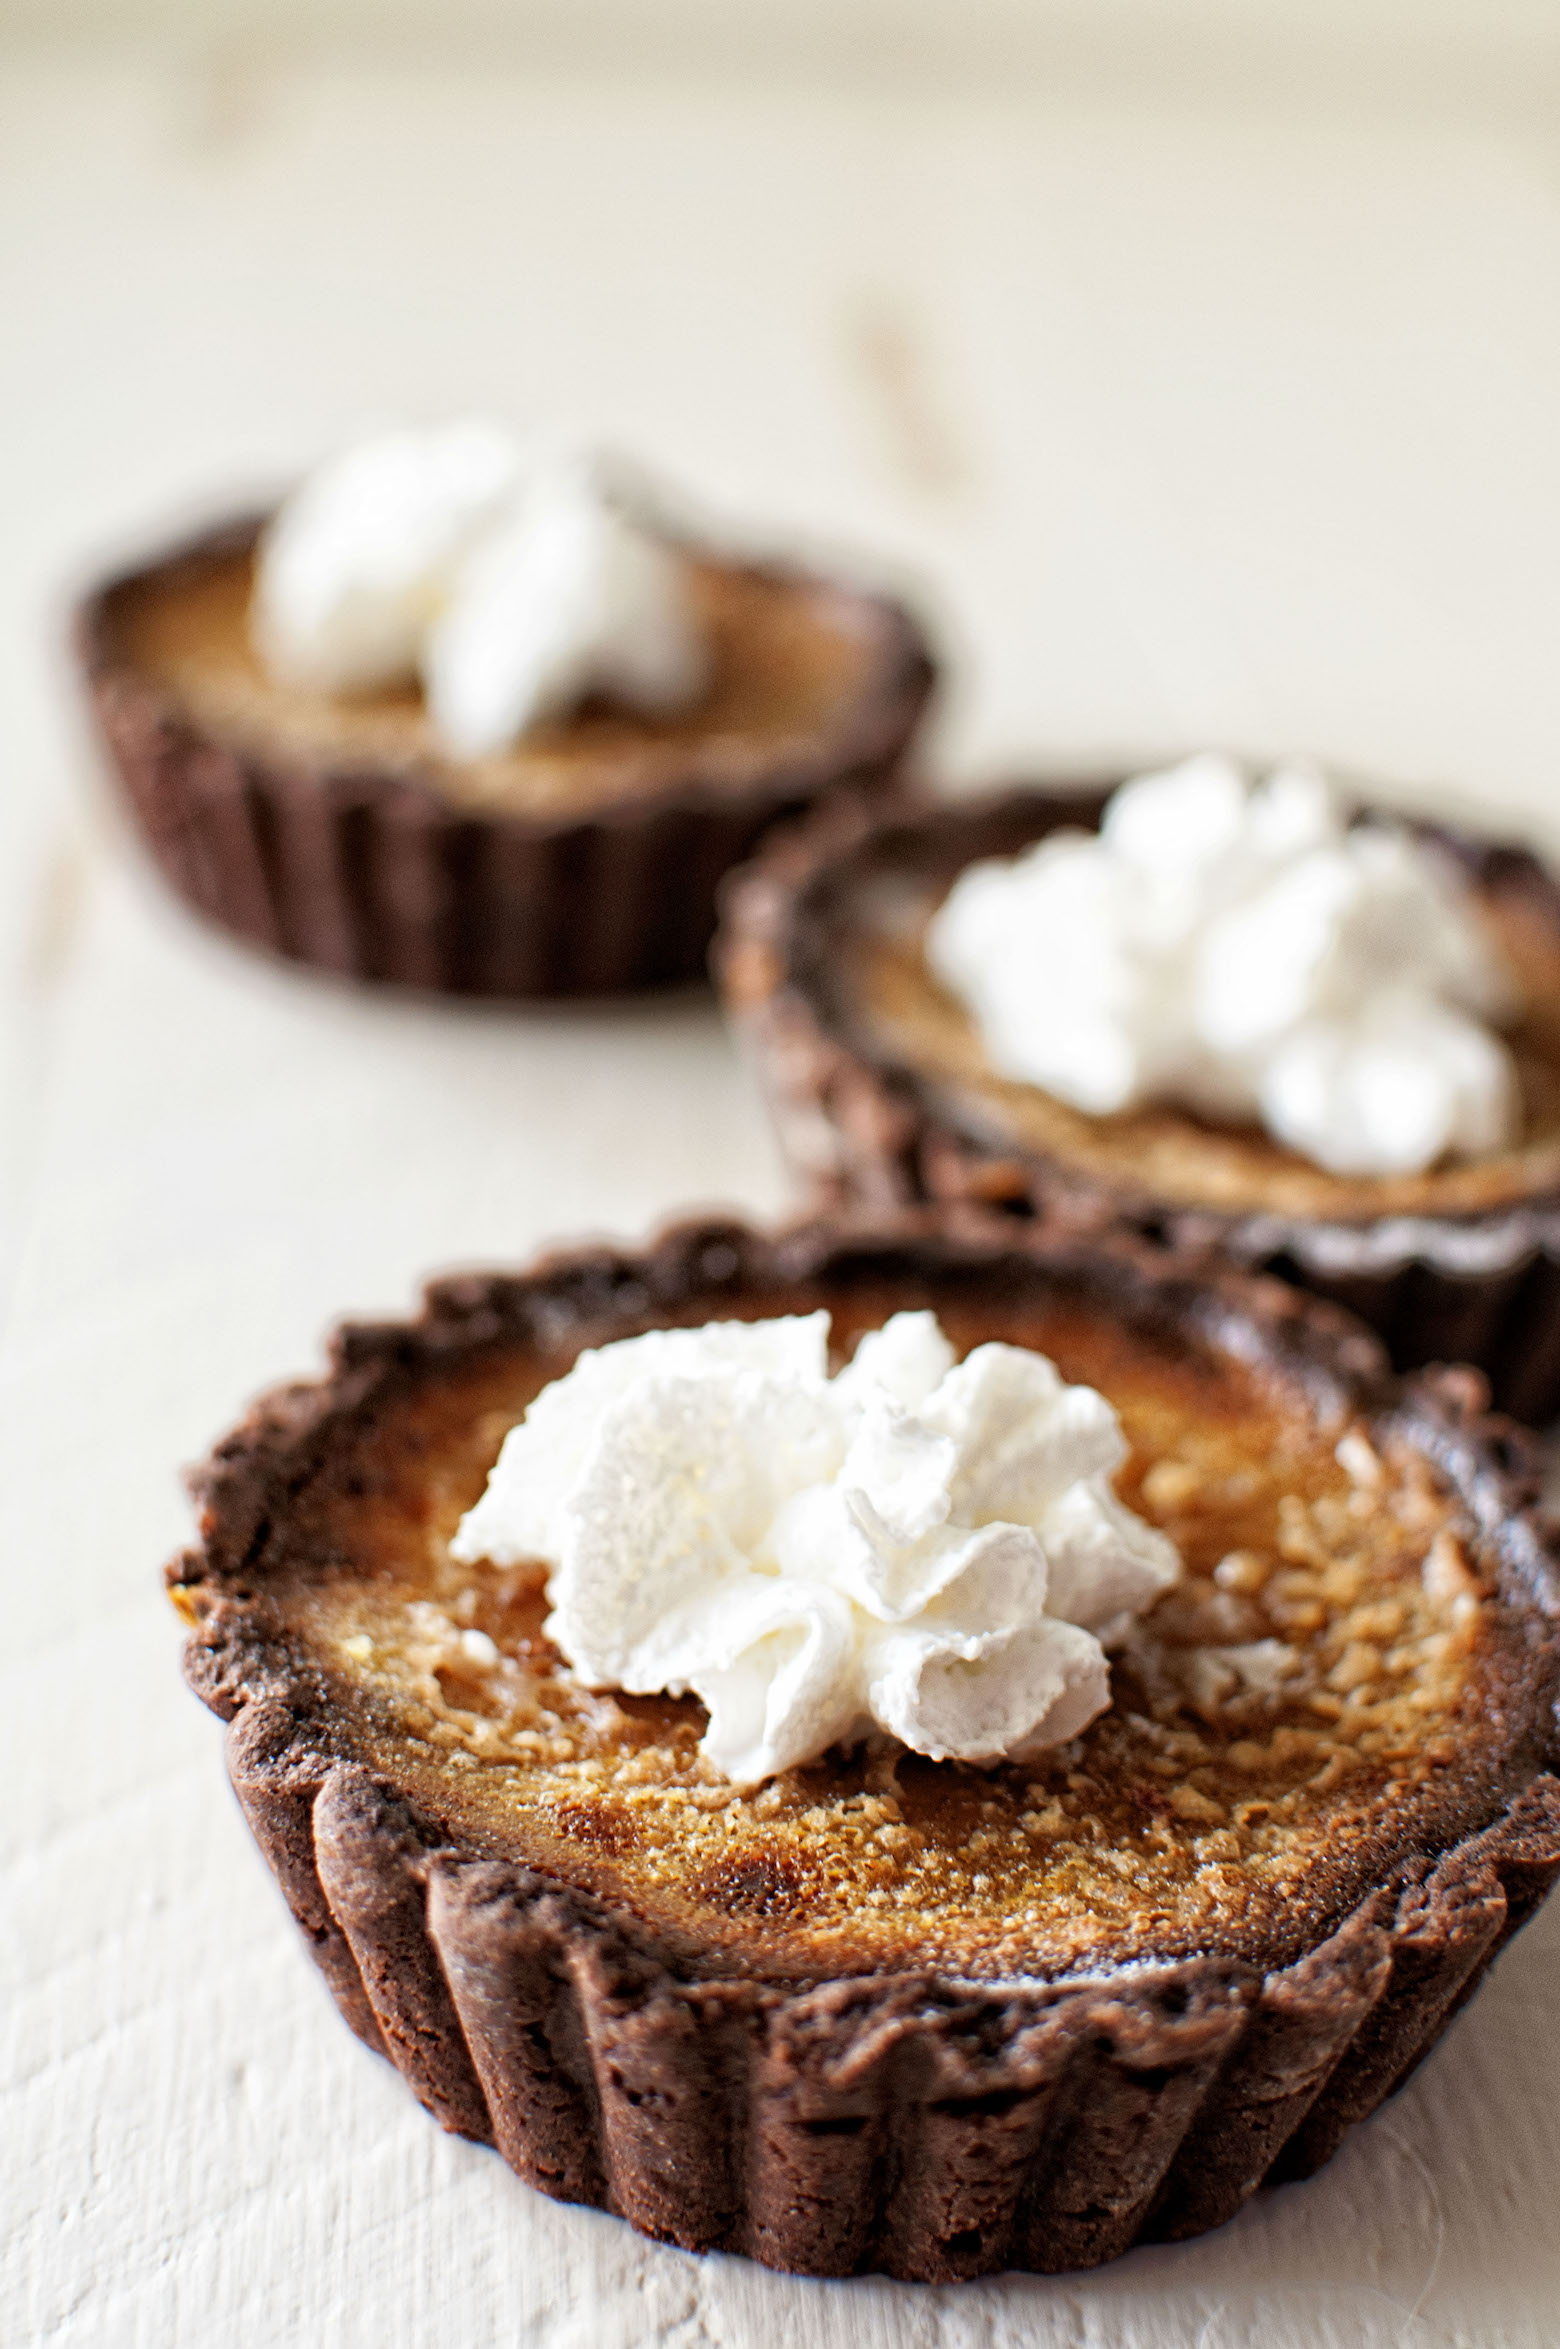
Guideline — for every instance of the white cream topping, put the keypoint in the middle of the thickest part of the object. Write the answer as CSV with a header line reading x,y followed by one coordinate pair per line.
x,y
566,597
919,1546
1244,950
358,560
513,585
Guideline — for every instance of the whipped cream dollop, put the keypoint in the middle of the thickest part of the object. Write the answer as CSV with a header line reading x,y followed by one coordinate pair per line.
x,y
922,1546
1241,948
511,584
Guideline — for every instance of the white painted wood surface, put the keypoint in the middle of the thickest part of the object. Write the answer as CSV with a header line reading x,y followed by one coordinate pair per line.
x,y
1200,416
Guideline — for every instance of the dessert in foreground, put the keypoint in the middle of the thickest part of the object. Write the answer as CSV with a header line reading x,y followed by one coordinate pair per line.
x,y
1227,1011
473,718
765,1977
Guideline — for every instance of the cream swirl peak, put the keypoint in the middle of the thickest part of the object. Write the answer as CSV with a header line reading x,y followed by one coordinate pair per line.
x,y
512,583
917,1545
1241,948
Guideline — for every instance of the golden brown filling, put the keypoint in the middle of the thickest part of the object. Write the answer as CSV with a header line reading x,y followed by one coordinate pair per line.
x,y
1166,1152
1281,1727
790,659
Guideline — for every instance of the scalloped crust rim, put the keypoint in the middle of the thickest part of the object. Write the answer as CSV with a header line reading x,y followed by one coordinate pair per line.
x,y
867,1134
379,877
916,2123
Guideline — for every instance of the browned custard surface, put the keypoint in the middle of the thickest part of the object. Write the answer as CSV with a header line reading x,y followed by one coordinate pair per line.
x,y
790,657
1218,1803
894,1004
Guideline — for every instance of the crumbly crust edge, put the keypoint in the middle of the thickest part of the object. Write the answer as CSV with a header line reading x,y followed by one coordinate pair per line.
x,y
917,2124
865,1133
380,877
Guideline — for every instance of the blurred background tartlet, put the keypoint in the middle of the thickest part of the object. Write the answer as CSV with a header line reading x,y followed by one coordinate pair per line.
x,y
461,723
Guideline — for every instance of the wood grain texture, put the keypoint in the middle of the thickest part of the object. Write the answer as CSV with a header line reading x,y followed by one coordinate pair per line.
x,y
1206,422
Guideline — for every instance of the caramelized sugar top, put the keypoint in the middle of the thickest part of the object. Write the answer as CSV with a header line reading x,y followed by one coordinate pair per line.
x,y
894,1002
1284,1728
792,658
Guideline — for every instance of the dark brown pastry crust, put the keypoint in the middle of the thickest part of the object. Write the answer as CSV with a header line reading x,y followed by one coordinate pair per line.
x,y
869,1132
917,2122
382,877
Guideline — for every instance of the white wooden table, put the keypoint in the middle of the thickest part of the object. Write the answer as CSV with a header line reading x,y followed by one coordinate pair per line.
x,y
1201,416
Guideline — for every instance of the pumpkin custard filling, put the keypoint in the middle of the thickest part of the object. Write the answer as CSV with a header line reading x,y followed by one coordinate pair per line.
x,y
887,991
1234,1906
791,659
1321,1662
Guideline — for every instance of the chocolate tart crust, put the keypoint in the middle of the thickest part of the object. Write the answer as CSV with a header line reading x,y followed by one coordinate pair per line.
x,y
869,1132
912,2120
370,870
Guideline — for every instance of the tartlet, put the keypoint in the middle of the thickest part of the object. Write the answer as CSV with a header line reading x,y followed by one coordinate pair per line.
x,y
884,2013
584,860
884,1099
